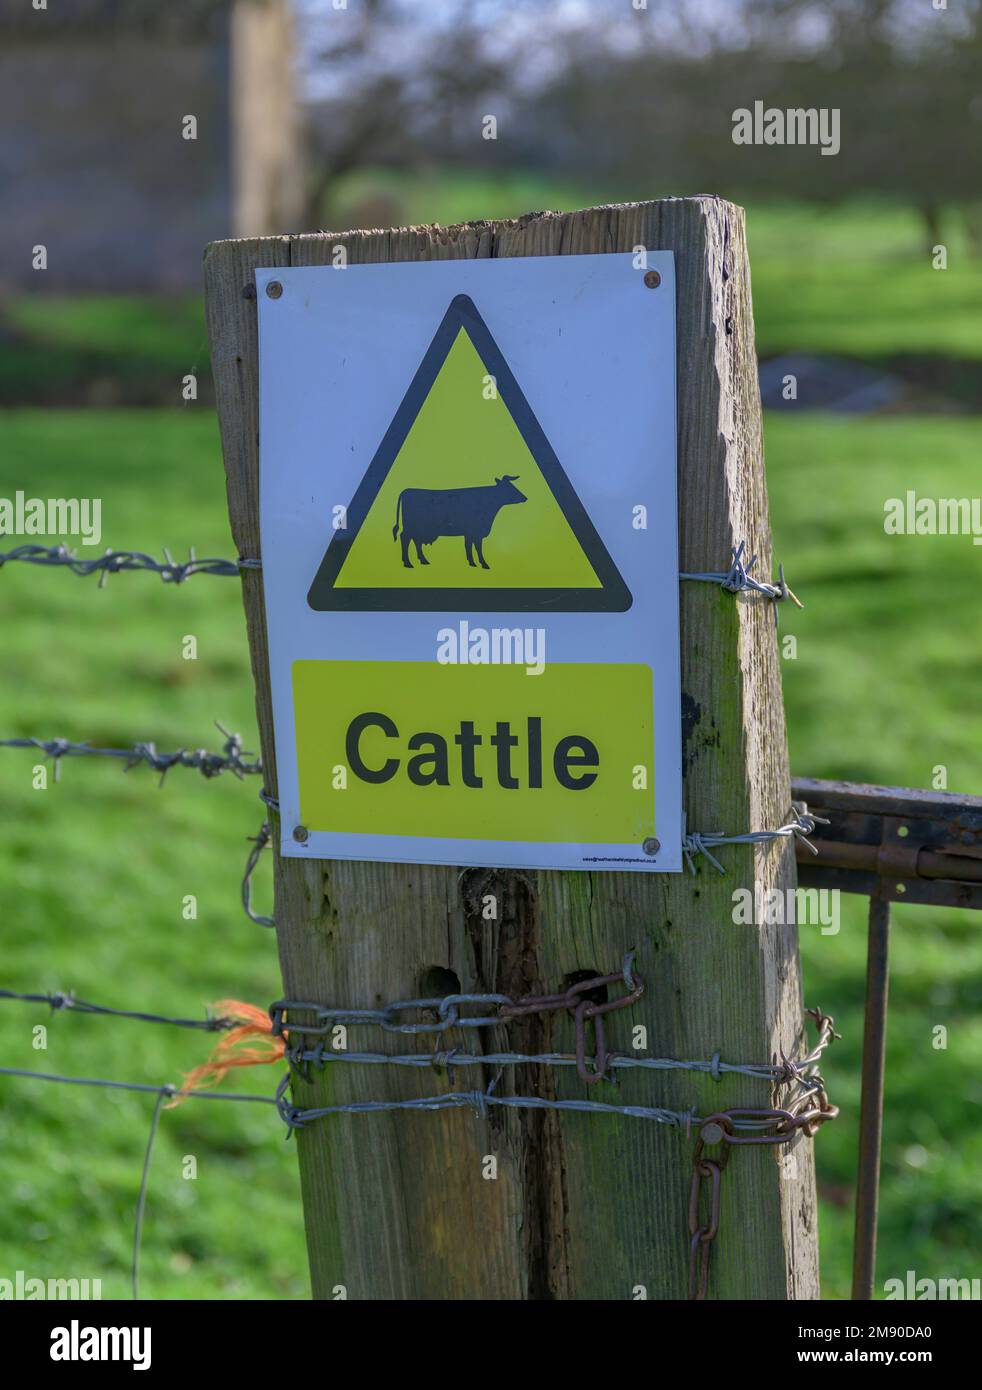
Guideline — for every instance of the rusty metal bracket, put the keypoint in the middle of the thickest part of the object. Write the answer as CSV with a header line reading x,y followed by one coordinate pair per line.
x,y
892,843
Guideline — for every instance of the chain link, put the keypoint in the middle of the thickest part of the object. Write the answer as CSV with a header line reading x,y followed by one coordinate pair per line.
x,y
584,1009
575,999
741,1126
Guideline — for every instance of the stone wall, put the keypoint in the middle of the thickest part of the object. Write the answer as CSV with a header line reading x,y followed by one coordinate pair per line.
x,y
92,161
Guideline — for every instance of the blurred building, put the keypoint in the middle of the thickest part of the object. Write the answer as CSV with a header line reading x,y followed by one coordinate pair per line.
x,y
94,160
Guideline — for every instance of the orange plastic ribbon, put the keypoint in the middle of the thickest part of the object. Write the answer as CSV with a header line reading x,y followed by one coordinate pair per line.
x,y
251,1044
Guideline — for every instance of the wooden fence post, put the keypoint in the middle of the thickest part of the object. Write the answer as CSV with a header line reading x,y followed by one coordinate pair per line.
x,y
397,1204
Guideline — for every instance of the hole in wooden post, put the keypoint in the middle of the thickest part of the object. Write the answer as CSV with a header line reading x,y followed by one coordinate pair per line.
x,y
595,996
437,982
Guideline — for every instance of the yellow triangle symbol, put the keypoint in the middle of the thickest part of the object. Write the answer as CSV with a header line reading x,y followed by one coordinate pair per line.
x,y
465,505
464,437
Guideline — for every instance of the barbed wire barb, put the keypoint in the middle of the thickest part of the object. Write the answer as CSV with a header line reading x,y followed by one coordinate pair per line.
x,y
259,843
738,579
704,842
119,561
63,1001
233,757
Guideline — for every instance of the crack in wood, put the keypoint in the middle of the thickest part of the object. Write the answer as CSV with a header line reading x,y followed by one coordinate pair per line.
x,y
533,1137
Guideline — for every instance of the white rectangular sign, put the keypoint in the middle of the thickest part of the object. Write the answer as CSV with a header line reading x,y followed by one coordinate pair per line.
x,y
468,517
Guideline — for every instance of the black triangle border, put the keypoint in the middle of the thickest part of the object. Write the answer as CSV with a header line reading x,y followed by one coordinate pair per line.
x,y
612,597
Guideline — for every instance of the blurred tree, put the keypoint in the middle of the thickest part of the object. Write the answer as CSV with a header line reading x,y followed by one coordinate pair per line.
x,y
643,99
660,112
393,87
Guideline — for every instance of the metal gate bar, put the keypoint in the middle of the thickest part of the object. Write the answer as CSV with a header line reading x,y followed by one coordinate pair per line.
x,y
891,844
871,1104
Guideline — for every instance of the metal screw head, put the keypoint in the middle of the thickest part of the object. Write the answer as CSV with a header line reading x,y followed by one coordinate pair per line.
x,y
651,845
248,291
652,279
711,1133
301,834
274,289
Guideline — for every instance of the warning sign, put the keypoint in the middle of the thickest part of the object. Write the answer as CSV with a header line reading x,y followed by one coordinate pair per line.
x,y
465,504
468,517
377,734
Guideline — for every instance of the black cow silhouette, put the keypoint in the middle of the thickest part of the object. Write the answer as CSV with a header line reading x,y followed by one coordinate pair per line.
x,y
428,513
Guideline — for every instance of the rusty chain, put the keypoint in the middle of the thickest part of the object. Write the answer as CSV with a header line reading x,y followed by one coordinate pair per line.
x,y
806,1114
578,1003
576,999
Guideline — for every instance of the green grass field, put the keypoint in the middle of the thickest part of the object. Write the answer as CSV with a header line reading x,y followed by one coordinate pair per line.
x,y
95,870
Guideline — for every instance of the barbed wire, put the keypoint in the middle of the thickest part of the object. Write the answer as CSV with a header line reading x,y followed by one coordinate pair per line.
x,y
704,842
110,562
233,757
167,1090
776,1073
64,1001
447,1010
803,1112
738,579
163,1093
694,843
259,843
296,1118
300,1057
778,1125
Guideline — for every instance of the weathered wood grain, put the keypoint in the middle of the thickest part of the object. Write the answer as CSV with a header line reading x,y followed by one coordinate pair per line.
x,y
583,1206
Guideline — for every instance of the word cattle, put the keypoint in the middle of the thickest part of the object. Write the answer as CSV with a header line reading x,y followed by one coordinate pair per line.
x,y
431,761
